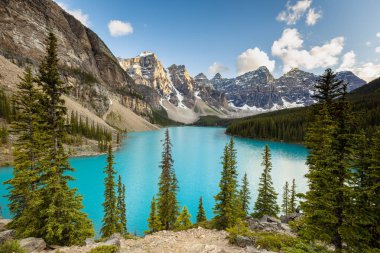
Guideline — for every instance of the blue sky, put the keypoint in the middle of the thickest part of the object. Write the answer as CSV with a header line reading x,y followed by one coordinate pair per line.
x,y
236,36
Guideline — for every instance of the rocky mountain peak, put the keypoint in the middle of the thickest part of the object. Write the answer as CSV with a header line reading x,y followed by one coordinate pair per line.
x,y
181,79
351,79
217,76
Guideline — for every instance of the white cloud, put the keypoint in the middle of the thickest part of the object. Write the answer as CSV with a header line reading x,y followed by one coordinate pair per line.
x,y
217,67
294,12
378,34
368,43
367,71
290,49
119,28
348,62
253,58
77,13
312,17
377,50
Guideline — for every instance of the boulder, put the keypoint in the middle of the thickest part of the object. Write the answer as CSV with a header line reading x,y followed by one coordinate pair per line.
x,y
244,241
114,239
31,244
6,235
90,241
290,217
265,225
267,218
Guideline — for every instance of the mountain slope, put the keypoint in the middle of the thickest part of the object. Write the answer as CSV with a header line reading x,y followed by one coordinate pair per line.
x,y
290,124
86,64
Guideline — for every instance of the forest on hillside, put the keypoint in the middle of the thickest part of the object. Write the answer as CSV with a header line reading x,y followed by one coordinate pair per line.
x,y
290,125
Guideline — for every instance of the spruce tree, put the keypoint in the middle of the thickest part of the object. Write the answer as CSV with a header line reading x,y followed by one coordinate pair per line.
x,y
266,203
285,199
227,207
167,203
154,223
111,221
121,207
330,141
201,216
245,195
292,199
28,153
183,220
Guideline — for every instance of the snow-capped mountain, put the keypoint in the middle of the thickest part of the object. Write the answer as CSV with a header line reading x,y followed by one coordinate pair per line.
x,y
186,98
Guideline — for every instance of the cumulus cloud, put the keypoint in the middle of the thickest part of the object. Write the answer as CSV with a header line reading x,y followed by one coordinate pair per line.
x,y
294,12
217,67
77,13
348,62
253,58
290,49
119,28
312,17
367,71
378,34
377,50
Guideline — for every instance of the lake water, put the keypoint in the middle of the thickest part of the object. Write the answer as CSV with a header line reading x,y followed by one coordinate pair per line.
x,y
197,154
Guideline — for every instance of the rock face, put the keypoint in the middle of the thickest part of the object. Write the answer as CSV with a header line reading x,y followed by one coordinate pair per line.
x,y
32,244
86,63
146,69
6,235
259,90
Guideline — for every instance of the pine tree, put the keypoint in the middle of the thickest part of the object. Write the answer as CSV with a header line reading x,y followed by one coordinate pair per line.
x,y
201,216
28,152
154,223
61,207
245,195
111,219
285,199
329,138
227,207
292,199
167,203
121,206
183,220
266,203
4,134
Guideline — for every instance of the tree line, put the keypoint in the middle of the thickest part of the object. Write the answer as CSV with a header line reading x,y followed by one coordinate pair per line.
x,y
290,125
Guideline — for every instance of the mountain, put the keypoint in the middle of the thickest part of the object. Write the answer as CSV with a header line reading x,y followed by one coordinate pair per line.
x,y
173,89
86,64
365,103
258,90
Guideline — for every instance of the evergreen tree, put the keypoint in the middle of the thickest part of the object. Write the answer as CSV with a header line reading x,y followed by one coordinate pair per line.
x,y
167,203
245,195
5,107
285,199
121,206
183,220
201,216
28,152
111,221
227,207
64,222
266,203
329,139
292,199
154,223
4,134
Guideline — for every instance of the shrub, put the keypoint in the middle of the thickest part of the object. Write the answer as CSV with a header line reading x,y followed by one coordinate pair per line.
x,y
105,249
11,247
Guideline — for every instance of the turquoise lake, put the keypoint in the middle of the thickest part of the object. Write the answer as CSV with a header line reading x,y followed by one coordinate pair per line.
x,y
197,154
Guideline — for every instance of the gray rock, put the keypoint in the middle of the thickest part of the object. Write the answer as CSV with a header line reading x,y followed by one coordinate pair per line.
x,y
6,235
290,217
244,241
114,239
90,241
267,218
31,244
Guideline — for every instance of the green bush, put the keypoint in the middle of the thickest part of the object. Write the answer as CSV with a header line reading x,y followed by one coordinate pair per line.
x,y
11,247
297,224
275,241
105,249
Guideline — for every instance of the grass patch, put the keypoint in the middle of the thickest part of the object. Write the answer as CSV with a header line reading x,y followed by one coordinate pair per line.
x,y
105,249
11,247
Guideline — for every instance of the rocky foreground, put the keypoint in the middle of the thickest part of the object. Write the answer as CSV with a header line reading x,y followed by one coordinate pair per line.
x,y
195,240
